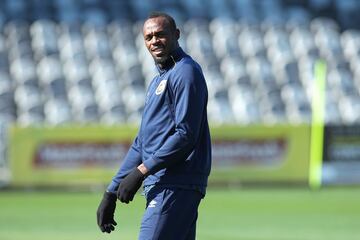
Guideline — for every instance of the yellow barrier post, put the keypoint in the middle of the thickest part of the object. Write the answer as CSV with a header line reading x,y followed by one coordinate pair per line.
x,y
317,125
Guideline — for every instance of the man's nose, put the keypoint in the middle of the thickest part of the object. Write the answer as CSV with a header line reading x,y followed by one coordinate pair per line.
x,y
154,40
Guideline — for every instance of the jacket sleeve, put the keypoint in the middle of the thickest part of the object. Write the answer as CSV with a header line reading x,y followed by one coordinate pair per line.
x,y
131,160
190,99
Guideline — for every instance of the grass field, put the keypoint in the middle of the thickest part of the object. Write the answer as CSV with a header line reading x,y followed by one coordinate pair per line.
x,y
244,214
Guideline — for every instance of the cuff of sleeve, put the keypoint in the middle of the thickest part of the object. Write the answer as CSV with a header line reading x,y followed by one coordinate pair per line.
x,y
151,164
110,196
113,186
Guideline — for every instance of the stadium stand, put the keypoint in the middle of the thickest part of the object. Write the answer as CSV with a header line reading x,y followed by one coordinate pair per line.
x,y
65,61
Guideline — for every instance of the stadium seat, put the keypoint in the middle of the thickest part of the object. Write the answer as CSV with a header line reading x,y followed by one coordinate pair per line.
x,y
258,58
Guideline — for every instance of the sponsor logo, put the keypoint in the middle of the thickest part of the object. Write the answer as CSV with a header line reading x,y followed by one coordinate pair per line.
x,y
342,143
261,152
80,154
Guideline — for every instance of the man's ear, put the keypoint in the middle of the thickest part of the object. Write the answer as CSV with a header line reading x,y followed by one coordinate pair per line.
x,y
177,33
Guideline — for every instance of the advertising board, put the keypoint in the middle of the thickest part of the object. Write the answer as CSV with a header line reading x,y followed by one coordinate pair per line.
x,y
88,155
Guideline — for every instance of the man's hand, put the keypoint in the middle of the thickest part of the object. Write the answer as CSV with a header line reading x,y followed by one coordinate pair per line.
x,y
129,186
105,213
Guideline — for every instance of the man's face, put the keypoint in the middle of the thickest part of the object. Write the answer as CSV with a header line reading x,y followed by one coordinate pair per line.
x,y
160,39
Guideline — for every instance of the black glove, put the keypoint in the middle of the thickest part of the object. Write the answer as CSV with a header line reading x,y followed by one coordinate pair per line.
x,y
129,186
105,213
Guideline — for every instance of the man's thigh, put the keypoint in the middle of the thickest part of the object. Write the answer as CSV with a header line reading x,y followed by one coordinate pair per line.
x,y
170,214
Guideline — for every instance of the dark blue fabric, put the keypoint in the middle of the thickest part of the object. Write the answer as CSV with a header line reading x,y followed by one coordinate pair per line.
x,y
171,213
173,141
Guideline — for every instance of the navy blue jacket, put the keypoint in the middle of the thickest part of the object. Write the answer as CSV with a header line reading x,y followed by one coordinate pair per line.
x,y
173,141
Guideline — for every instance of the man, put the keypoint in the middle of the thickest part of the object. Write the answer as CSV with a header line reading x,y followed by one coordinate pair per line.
x,y
172,152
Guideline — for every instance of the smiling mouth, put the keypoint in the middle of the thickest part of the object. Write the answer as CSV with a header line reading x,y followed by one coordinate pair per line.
x,y
158,51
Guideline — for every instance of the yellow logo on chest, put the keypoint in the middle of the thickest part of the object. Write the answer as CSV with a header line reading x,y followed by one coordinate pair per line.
x,y
161,87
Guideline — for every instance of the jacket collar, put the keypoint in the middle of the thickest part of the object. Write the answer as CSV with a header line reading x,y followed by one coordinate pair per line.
x,y
175,56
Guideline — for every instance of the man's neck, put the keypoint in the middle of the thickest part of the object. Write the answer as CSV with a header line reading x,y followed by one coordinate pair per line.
x,y
170,61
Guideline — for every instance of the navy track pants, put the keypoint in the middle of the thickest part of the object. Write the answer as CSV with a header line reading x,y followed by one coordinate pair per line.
x,y
170,214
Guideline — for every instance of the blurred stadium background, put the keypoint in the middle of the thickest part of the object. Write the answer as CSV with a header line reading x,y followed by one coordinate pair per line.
x,y
73,73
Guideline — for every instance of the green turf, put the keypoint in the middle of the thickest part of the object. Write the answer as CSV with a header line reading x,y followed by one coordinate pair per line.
x,y
277,214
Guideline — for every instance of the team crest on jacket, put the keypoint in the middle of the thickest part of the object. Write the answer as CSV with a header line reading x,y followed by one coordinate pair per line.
x,y
161,87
